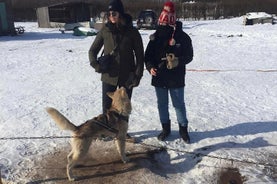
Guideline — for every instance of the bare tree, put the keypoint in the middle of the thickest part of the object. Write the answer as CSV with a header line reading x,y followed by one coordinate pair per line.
x,y
200,9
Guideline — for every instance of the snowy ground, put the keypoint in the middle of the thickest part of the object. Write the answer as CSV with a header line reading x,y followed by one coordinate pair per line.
x,y
231,98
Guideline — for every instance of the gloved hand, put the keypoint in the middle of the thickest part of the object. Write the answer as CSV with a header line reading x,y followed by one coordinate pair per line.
x,y
171,61
132,81
90,63
135,83
97,68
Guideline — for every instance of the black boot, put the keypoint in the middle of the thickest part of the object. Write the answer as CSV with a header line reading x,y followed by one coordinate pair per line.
x,y
166,131
183,131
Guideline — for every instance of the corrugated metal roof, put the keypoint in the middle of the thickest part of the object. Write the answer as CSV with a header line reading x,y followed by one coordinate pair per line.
x,y
42,3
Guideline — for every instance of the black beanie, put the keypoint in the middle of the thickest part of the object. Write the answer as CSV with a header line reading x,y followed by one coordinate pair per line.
x,y
116,5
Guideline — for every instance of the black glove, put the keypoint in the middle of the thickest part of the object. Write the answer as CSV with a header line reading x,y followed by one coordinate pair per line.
x,y
132,81
97,68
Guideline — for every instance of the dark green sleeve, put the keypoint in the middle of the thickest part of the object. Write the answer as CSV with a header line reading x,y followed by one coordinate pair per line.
x,y
150,55
94,50
139,54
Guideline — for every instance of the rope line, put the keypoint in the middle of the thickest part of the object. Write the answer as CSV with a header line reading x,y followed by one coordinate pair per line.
x,y
213,156
33,138
198,154
231,70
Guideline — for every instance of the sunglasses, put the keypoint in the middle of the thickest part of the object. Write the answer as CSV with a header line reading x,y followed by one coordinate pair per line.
x,y
113,13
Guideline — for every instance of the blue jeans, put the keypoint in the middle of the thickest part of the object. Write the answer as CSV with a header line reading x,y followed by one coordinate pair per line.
x,y
178,102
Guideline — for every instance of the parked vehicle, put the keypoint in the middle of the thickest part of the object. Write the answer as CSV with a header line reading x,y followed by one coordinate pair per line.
x,y
147,19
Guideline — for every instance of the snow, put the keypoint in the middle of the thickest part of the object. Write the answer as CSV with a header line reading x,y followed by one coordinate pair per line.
x,y
254,15
230,96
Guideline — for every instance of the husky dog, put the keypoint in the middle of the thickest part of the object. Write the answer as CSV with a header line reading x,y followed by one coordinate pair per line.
x,y
115,121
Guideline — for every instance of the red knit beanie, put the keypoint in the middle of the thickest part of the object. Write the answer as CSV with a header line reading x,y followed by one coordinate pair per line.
x,y
168,15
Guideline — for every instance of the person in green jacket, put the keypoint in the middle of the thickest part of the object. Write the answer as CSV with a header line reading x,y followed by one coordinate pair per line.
x,y
118,35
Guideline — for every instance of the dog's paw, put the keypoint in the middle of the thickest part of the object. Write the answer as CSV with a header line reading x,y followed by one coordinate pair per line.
x,y
125,160
72,179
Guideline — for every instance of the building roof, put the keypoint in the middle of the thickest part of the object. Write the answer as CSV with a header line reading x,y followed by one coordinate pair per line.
x,y
257,15
41,3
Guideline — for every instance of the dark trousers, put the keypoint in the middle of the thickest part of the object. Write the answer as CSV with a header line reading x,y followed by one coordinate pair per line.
x,y
106,100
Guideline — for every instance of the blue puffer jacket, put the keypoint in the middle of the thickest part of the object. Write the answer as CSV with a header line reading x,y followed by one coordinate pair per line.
x,y
157,49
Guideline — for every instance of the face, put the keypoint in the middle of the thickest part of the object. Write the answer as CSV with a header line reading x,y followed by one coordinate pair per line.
x,y
113,16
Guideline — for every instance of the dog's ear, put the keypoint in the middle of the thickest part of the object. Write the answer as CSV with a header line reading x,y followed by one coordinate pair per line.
x,y
122,90
110,94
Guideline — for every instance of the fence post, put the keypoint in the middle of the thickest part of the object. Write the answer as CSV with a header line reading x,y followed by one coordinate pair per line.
x,y
0,177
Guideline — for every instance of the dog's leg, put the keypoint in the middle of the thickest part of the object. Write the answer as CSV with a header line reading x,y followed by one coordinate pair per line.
x,y
79,149
70,165
121,143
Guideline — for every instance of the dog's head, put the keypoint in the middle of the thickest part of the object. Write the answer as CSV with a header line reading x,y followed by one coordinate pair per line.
x,y
121,101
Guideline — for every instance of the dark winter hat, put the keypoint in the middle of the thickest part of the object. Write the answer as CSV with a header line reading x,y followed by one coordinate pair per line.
x,y
168,15
116,5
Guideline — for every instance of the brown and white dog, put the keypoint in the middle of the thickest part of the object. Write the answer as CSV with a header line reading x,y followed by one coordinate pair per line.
x,y
115,121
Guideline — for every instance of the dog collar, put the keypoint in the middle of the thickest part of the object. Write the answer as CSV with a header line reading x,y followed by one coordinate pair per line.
x,y
106,125
120,116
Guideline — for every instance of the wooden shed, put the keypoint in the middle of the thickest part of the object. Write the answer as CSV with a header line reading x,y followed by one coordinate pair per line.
x,y
257,18
62,14
6,18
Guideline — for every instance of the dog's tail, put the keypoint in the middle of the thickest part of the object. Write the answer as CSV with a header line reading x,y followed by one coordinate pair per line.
x,y
60,119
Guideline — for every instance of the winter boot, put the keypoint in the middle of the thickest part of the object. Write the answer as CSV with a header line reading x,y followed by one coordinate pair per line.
x,y
165,132
183,131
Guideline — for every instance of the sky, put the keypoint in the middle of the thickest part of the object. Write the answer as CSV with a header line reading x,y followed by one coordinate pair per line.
x,y
230,96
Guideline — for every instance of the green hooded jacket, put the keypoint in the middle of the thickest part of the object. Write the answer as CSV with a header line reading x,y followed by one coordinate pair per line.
x,y
128,57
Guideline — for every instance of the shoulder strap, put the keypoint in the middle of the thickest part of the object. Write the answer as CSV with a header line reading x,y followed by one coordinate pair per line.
x,y
102,52
116,46
114,49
